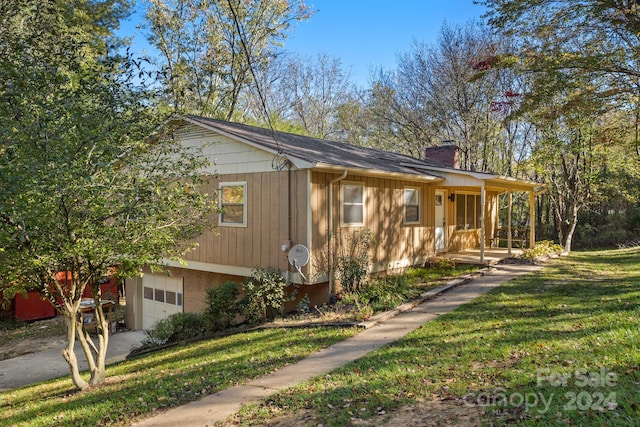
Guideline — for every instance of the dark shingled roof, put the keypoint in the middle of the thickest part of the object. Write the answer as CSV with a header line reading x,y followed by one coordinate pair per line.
x,y
320,151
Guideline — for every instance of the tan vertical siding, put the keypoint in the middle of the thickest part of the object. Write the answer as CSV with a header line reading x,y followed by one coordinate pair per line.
x,y
257,220
259,243
396,243
319,222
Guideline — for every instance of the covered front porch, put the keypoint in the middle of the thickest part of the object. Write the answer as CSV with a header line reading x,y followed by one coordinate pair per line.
x,y
476,232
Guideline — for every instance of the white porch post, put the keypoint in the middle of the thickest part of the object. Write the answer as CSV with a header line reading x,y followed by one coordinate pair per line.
x,y
532,219
482,209
509,243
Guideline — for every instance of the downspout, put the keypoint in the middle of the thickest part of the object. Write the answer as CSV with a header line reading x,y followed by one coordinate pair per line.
x,y
289,219
330,233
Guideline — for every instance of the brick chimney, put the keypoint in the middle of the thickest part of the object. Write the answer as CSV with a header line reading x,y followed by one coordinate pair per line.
x,y
448,154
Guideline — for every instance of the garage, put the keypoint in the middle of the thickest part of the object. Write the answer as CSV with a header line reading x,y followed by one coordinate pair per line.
x,y
162,296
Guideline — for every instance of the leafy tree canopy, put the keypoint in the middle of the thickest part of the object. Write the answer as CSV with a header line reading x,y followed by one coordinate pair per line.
x,y
84,184
599,36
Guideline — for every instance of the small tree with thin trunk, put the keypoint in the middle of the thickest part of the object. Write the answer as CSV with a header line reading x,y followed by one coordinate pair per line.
x,y
87,188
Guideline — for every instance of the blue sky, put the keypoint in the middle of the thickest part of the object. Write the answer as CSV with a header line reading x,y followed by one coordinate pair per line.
x,y
364,34
367,34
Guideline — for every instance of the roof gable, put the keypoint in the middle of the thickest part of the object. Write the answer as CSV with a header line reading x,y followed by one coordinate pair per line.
x,y
307,152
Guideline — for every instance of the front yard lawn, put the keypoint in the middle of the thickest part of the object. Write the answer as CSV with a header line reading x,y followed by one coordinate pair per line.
x,y
559,347
164,379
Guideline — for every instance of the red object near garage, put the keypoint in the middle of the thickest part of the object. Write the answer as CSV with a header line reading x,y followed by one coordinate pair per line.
x,y
108,286
108,289
33,307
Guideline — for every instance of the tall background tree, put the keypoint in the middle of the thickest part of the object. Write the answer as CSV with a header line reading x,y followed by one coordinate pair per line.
x,y
301,94
84,189
584,59
443,92
211,49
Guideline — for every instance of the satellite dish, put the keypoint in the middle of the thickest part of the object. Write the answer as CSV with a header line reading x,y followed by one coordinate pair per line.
x,y
299,256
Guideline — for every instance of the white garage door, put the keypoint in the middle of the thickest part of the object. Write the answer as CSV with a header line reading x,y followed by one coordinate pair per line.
x,y
162,296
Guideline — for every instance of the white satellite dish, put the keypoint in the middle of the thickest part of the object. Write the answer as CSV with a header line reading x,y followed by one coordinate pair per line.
x,y
299,256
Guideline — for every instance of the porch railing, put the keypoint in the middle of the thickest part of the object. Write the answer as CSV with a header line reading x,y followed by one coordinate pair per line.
x,y
519,236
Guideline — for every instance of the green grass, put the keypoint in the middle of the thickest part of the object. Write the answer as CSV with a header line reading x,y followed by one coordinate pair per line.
x,y
438,274
568,335
578,316
164,379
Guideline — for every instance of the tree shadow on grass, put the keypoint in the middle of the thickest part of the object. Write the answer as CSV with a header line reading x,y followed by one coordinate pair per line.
x,y
561,319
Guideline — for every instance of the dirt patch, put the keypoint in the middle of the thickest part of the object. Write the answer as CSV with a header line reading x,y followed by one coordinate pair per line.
x,y
433,413
428,414
32,337
30,345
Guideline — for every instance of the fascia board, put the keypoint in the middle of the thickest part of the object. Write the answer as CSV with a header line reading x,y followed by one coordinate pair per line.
x,y
323,167
489,179
209,267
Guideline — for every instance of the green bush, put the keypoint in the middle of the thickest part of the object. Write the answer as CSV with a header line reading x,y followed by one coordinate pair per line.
x,y
386,293
222,306
542,248
264,295
379,295
363,310
352,261
304,305
175,328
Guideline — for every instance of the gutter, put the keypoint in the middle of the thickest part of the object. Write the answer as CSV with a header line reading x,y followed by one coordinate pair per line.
x,y
330,233
323,167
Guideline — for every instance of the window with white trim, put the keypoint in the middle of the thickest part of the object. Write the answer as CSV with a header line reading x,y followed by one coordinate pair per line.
x,y
352,212
233,204
411,205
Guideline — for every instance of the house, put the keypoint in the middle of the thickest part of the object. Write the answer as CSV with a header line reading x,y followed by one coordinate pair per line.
x,y
278,190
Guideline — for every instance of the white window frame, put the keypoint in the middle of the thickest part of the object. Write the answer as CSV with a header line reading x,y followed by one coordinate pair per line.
x,y
242,184
344,203
405,205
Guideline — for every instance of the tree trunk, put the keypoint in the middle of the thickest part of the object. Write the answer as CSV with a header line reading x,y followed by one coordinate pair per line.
x,y
69,354
98,374
566,215
95,353
571,228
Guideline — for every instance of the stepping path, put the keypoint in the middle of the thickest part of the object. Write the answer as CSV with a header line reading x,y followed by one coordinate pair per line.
x,y
219,406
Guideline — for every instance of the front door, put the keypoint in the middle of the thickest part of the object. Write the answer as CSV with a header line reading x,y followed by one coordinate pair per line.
x,y
441,222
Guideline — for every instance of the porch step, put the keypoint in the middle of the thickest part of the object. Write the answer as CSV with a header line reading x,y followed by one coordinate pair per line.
x,y
492,256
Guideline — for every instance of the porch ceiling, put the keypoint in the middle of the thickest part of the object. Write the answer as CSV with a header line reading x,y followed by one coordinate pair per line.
x,y
497,184
462,178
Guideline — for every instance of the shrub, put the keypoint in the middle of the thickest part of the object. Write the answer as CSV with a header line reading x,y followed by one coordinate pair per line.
x,y
362,309
542,248
352,261
385,293
264,295
175,328
304,305
222,306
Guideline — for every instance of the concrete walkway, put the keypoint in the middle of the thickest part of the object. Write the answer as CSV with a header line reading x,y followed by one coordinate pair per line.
x,y
45,365
219,406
